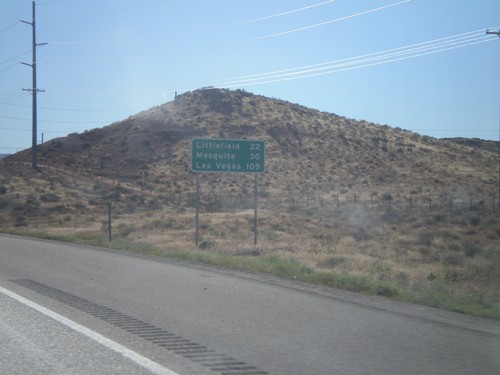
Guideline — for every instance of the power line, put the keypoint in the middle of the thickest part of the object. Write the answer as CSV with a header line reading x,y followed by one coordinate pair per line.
x,y
330,21
49,2
12,95
9,68
330,67
52,121
217,28
100,13
346,64
14,13
15,57
9,27
281,14
434,42
439,45
75,109
256,39
12,148
16,129
29,130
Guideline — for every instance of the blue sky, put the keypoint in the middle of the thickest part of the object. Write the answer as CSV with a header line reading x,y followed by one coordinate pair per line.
x,y
423,65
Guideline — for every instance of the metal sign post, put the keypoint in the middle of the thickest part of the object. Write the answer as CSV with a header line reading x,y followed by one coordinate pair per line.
x,y
197,219
255,205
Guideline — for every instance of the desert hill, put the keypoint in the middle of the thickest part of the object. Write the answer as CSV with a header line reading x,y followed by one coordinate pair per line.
x,y
307,151
491,146
349,203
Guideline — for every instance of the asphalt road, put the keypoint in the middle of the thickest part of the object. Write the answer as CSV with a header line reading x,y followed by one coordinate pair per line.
x,y
75,309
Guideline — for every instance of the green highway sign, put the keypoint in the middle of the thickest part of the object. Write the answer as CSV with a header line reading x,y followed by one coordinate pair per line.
x,y
227,155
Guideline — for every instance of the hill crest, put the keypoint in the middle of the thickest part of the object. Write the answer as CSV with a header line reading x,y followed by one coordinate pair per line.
x,y
307,150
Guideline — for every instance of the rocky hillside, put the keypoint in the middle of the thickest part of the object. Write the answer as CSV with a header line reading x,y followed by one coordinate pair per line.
x,y
397,213
307,151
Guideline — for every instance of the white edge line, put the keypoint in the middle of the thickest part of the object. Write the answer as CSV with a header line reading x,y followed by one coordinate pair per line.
x,y
142,361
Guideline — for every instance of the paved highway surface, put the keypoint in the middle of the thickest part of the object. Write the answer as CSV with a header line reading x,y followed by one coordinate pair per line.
x,y
67,309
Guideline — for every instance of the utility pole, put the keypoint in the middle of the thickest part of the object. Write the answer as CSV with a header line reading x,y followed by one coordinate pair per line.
x,y
34,91
497,33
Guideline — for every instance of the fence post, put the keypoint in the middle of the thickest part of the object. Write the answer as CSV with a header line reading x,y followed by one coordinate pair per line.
x,y
109,222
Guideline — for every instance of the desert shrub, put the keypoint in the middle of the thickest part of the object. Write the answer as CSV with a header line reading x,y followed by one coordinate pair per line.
x,y
361,234
125,230
21,222
49,197
80,206
387,197
155,204
379,267
386,291
471,249
205,245
60,208
474,220
32,202
453,260
114,195
402,278
136,198
251,252
131,208
425,238
439,218
451,275
492,254
393,217
216,204
3,190
332,262
98,186
69,161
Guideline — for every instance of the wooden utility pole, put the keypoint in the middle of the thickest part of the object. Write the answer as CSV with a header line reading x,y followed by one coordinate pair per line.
x,y
34,91
497,33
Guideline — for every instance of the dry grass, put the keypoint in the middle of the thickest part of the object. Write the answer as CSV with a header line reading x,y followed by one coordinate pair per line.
x,y
420,251
357,204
